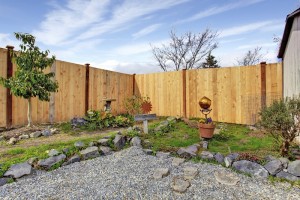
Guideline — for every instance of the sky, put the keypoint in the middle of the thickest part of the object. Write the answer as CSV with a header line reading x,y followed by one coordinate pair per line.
x,y
117,34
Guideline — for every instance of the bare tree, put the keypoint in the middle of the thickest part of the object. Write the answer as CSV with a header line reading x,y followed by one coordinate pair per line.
x,y
186,51
252,57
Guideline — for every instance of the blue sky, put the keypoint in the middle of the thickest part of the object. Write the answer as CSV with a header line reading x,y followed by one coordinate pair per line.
x,y
116,34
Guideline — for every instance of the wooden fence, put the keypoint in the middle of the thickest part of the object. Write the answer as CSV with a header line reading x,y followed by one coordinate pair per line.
x,y
237,93
81,87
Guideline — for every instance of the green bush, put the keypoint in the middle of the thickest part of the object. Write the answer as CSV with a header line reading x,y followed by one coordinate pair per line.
x,y
281,119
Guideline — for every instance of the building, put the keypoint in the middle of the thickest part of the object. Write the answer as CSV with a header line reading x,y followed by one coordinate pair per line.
x,y
289,51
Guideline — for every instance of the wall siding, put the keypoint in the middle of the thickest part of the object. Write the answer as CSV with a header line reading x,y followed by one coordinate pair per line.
x,y
291,61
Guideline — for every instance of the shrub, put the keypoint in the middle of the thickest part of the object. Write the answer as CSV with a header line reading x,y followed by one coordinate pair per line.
x,y
281,119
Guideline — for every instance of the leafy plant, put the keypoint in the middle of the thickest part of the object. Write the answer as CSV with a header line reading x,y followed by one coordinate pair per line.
x,y
133,105
282,120
30,80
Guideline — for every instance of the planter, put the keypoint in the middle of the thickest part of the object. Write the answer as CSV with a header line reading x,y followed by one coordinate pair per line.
x,y
206,130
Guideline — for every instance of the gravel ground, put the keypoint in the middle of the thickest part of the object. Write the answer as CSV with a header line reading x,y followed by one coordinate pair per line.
x,y
128,175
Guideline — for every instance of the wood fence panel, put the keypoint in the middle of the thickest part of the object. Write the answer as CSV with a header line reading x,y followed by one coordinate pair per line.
x,y
70,98
110,85
3,73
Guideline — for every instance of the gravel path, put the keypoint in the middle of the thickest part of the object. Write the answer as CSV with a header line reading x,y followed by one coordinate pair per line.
x,y
128,174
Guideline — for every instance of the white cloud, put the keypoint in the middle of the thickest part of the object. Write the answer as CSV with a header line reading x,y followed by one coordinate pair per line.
x,y
146,31
127,12
244,28
219,9
62,23
6,39
251,46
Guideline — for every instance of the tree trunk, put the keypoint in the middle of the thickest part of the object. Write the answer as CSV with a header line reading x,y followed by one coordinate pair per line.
x,y
285,148
29,113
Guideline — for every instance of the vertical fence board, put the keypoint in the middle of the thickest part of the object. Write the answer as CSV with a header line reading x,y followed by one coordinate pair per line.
x,y
3,97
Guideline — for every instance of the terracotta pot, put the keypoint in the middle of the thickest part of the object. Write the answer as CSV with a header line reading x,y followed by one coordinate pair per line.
x,y
206,130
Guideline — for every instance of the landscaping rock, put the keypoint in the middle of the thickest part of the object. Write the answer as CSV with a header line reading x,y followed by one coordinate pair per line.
x,y
46,132
35,134
251,168
105,150
22,137
226,178
177,161
287,176
205,144
190,172
32,160
170,119
2,137
189,152
119,141
75,122
179,184
294,168
103,142
73,159
66,150
53,152
19,170
90,152
233,156
54,131
162,155
228,161
12,141
93,144
136,141
49,162
284,161
160,173
274,167
219,158
207,155
79,145
148,151
4,181
269,158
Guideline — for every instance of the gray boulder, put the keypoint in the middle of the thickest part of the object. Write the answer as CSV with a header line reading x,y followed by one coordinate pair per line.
x,y
90,152
119,141
274,167
22,137
73,159
66,150
49,162
35,134
4,181
251,168
53,152
284,161
19,170
75,122
207,155
136,141
148,151
233,156
294,168
12,141
46,132
188,152
162,155
269,158
228,161
287,176
219,158
79,145
105,150
103,142
92,144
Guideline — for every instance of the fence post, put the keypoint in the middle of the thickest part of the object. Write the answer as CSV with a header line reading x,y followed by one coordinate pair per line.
x,y
133,84
184,92
263,84
87,82
8,94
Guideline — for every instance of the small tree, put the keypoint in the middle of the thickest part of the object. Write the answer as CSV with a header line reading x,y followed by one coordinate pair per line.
x,y
29,80
282,120
252,57
186,51
210,62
